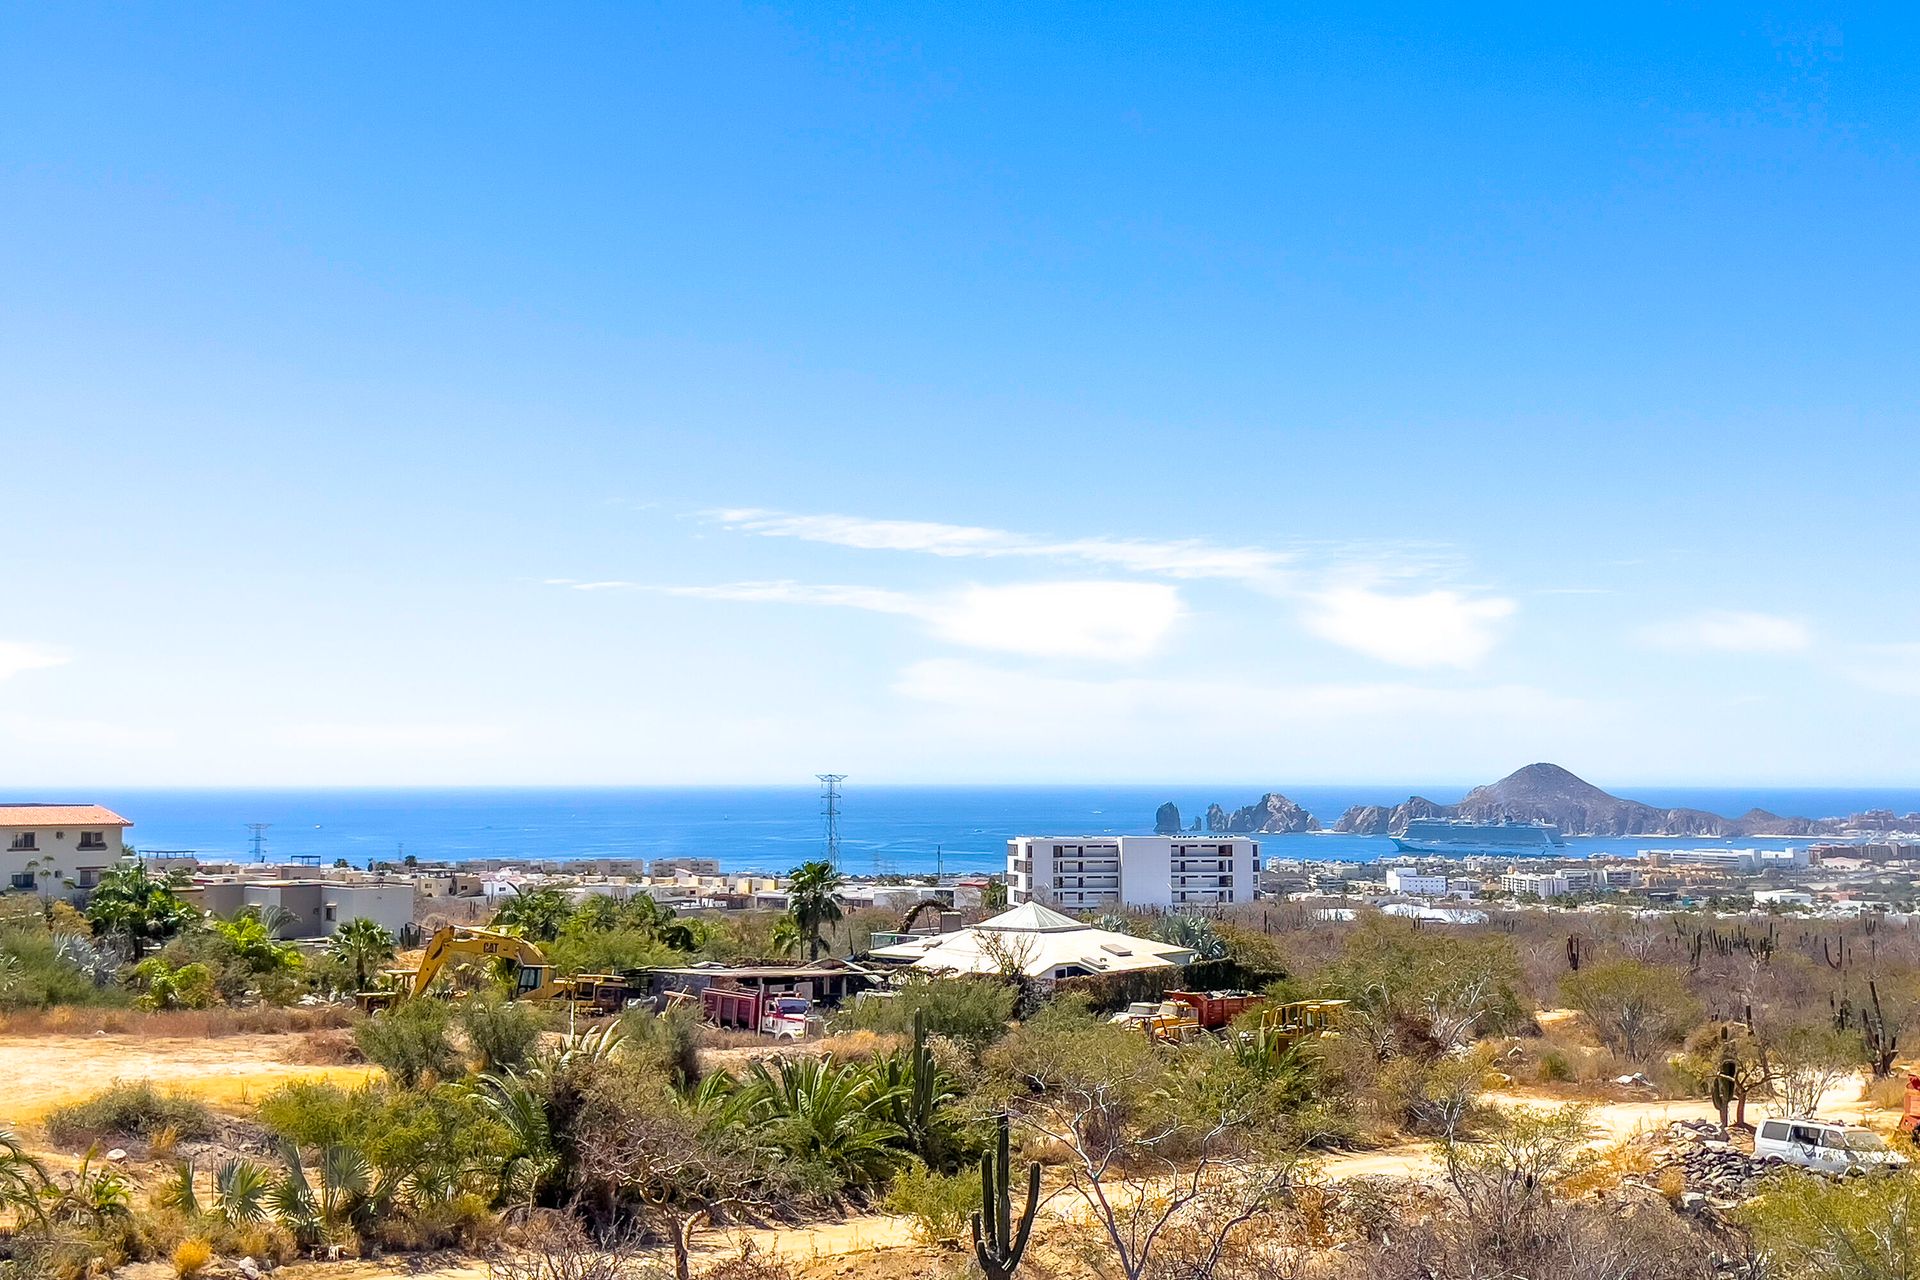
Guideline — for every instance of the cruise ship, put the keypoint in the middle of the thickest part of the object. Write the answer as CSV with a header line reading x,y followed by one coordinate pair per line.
x,y
1463,836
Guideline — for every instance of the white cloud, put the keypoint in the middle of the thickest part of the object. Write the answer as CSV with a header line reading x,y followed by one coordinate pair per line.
x,y
1111,621
347,736
1178,558
1729,631
1885,668
17,656
1432,629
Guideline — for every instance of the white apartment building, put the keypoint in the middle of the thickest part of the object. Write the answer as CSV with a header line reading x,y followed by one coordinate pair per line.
x,y
1081,873
57,849
1402,880
1546,884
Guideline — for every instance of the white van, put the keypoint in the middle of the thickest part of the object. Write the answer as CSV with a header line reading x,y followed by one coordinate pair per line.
x,y
1823,1144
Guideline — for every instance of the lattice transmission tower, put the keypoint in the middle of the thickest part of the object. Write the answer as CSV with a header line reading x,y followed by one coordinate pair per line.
x,y
830,810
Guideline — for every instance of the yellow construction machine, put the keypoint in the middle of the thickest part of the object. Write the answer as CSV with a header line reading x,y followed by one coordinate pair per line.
x,y
534,977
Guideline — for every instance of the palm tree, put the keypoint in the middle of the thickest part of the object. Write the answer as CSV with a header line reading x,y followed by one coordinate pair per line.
x,y
786,938
811,903
815,1109
363,944
537,915
137,907
23,1179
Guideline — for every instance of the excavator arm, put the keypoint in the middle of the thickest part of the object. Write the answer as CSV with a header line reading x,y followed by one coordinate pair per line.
x,y
458,942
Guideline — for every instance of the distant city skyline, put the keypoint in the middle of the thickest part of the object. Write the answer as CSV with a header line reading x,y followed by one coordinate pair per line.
x,y
647,395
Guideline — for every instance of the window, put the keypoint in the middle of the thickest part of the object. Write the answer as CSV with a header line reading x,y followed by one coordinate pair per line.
x,y
1773,1130
22,842
24,880
93,840
329,914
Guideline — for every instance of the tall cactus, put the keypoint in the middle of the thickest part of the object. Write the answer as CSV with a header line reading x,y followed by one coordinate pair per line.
x,y
1723,1079
923,1093
996,1243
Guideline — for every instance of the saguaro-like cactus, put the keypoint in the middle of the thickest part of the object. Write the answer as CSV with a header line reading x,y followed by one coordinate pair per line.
x,y
997,1243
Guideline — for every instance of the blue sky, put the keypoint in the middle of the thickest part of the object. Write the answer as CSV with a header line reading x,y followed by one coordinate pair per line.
x,y
434,394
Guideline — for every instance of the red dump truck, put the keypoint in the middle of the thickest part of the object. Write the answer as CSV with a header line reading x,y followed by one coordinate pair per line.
x,y
1215,1009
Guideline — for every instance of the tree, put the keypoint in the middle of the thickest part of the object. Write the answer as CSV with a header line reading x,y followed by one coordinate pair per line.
x,y
537,915
811,903
137,908
362,944
1807,1059
1635,1008
1731,1052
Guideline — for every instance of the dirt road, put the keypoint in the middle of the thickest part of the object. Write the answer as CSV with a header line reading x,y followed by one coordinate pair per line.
x,y
43,1071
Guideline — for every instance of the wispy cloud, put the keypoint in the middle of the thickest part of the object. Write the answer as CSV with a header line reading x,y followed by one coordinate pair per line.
x,y
1108,621
18,656
1730,631
1355,597
1191,558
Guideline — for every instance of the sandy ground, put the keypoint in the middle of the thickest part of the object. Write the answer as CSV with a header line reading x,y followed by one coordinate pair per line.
x,y
44,1071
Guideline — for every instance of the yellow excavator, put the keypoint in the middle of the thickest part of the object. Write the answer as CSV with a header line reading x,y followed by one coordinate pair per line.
x,y
534,977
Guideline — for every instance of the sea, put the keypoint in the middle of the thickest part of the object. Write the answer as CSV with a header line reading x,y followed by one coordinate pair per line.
x,y
884,830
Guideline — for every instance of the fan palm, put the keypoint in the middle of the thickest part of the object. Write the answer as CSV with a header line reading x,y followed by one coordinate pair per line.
x,y
23,1179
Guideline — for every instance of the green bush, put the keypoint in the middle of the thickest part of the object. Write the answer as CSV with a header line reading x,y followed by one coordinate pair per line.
x,y
940,1206
502,1033
129,1110
972,1010
410,1040
1554,1067
442,1130
668,1042
34,974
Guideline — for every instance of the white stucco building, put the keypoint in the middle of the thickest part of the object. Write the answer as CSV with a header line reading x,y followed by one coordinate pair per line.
x,y
1402,880
1080,873
1035,941
57,850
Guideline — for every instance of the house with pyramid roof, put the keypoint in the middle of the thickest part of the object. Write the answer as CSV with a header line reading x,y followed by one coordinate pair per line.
x,y
1036,941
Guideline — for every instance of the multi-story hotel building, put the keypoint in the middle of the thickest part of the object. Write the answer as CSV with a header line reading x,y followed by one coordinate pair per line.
x,y
1082,873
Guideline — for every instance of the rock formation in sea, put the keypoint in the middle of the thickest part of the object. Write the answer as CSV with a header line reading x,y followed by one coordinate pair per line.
x,y
1166,819
1271,814
1549,793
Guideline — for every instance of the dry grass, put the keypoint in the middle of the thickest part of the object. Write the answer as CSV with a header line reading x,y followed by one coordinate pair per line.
x,y
1609,1166
333,1047
1672,1183
207,1024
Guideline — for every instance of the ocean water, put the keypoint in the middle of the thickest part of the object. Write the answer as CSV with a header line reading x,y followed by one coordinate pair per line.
x,y
883,829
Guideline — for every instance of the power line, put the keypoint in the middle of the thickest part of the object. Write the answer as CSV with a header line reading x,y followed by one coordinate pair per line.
x,y
830,798
259,839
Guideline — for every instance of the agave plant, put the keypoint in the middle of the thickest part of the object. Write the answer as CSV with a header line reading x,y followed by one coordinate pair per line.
x,y
1194,932
831,1113
86,957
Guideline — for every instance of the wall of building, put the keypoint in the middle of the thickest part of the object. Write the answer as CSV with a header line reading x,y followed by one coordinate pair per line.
x,y
1092,873
55,858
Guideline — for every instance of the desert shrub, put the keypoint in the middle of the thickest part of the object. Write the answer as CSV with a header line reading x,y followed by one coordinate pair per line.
x,y
1808,1228
442,1129
940,1206
1554,1068
502,1033
130,1110
669,1042
190,1258
165,985
972,1010
1634,1007
582,949
39,975
410,1041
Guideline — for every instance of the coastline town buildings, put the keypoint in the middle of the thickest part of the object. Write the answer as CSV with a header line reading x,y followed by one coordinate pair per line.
x,y
1092,873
